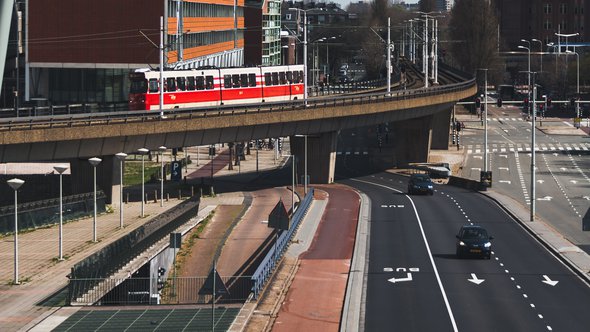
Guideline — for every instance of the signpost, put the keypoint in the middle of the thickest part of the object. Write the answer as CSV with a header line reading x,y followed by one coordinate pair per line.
x,y
176,171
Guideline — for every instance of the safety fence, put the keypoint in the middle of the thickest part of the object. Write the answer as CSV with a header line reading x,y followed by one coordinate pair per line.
x,y
43,213
175,290
91,271
274,255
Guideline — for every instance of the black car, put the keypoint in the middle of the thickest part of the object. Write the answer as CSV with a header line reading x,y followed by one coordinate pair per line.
x,y
474,240
420,183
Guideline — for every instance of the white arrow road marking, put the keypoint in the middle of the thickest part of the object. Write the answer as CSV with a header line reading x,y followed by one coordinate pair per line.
x,y
555,153
394,280
475,280
477,157
504,168
549,281
475,169
503,156
505,181
546,198
586,198
574,181
562,168
387,269
540,181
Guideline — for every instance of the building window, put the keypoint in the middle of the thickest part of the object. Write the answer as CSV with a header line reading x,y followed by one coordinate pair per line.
x,y
547,8
547,25
562,8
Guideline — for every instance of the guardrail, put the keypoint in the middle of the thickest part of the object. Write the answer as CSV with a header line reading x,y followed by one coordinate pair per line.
x,y
274,255
24,123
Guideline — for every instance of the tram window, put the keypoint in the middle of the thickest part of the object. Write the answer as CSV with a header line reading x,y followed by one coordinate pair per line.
x,y
244,80
200,83
282,79
290,77
275,78
301,77
190,83
251,79
235,80
170,84
227,81
267,79
296,77
181,83
209,82
154,85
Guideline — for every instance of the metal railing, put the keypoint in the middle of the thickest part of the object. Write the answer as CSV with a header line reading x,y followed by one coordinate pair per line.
x,y
71,120
275,253
142,291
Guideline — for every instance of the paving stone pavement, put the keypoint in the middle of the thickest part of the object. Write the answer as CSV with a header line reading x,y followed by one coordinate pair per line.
x,y
41,274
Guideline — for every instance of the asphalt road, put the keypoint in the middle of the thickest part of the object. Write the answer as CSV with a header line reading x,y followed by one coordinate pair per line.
x,y
416,283
562,179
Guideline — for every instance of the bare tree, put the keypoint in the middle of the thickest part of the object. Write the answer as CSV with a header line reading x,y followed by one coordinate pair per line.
x,y
473,27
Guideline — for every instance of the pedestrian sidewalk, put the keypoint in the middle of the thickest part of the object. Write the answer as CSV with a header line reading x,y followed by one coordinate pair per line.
x,y
40,272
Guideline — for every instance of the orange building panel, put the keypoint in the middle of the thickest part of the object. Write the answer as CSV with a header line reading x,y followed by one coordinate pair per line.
x,y
240,3
203,24
199,51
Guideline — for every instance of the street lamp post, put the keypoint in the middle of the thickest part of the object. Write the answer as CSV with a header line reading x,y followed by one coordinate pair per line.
x,y
533,170
578,82
143,152
60,169
485,121
162,149
305,58
305,170
529,71
15,184
94,162
541,54
121,156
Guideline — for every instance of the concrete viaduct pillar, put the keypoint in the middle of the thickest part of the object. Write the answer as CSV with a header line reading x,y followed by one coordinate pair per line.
x,y
441,124
321,156
107,177
412,140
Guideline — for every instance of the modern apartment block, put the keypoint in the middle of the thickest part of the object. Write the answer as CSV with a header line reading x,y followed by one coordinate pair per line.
x,y
542,19
82,50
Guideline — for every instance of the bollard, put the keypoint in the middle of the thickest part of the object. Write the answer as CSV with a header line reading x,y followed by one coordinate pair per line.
x,y
167,197
145,198
127,199
212,191
155,196
200,191
192,191
179,194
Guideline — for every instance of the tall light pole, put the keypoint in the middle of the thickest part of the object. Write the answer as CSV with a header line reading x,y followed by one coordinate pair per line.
x,y
121,156
305,173
533,192
162,149
485,120
15,184
94,162
529,71
578,82
161,52
388,55
541,54
143,152
60,169
304,57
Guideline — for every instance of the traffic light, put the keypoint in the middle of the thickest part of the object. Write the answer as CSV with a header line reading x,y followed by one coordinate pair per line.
x,y
477,103
548,102
161,272
526,102
499,102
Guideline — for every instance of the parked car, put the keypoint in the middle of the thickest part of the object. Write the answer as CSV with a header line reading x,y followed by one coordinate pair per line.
x,y
474,241
420,183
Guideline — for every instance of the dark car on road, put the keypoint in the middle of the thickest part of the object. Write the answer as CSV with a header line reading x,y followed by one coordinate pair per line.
x,y
420,183
474,241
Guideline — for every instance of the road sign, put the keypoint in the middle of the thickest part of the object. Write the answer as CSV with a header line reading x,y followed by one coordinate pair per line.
x,y
279,218
176,171
220,288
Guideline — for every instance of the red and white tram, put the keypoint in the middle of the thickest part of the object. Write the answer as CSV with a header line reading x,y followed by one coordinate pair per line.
x,y
212,87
